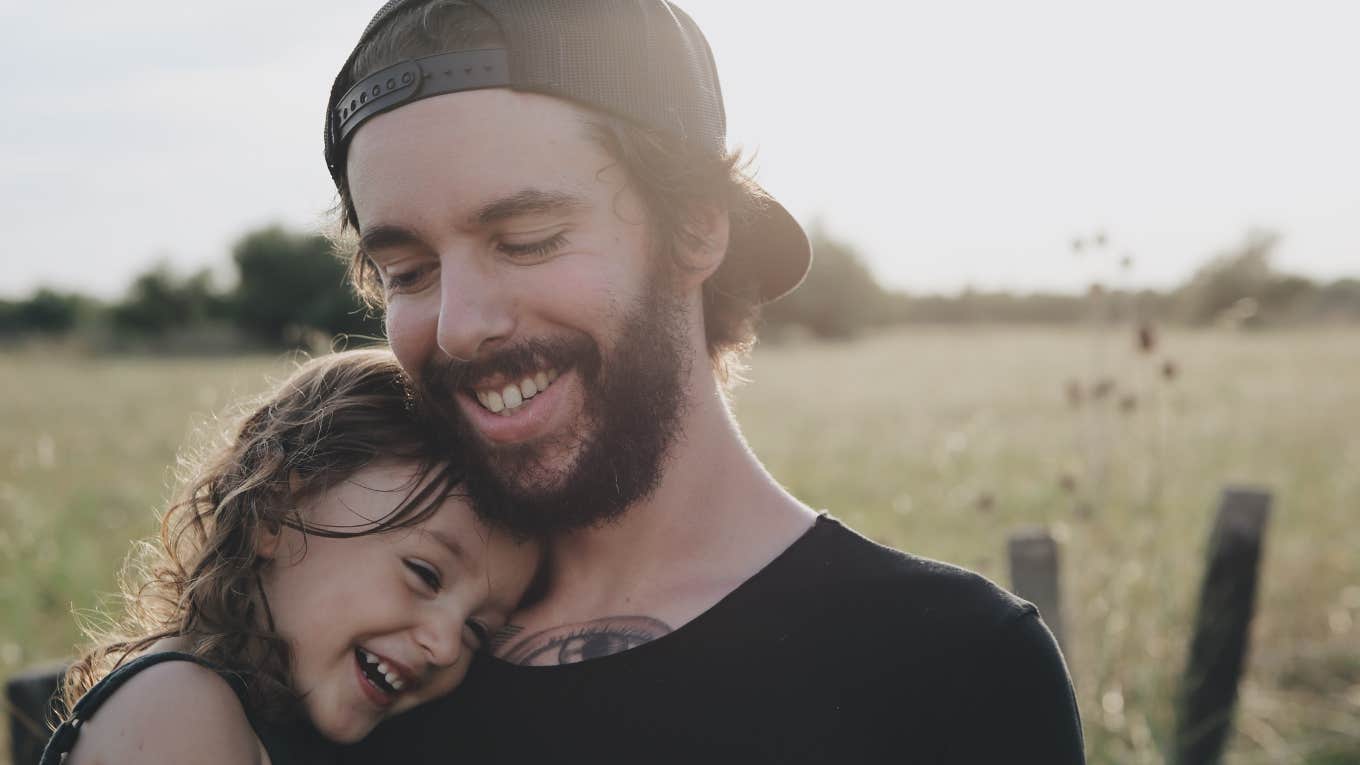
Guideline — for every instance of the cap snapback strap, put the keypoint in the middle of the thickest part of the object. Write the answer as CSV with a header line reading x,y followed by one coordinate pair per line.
x,y
415,79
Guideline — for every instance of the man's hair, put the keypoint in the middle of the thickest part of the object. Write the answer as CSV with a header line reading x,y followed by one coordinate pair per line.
x,y
675,182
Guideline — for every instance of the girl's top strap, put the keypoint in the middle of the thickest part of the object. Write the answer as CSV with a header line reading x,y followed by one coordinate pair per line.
x,y
64,737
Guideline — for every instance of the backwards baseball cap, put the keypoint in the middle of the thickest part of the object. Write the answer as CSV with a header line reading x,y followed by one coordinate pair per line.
x,y
643,60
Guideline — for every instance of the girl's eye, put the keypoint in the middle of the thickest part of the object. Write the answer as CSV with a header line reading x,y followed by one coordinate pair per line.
x,y
479,631
426,573
534,250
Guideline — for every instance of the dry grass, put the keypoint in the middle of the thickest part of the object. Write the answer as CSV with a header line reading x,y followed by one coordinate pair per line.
x,y
935,441
942,441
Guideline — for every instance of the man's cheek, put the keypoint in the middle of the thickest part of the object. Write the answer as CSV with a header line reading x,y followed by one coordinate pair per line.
x,y
412,340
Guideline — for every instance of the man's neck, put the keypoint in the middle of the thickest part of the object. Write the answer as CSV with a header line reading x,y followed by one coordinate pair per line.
x,y
716,518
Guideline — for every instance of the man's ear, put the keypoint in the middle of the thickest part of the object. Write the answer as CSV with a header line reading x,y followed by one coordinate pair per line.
x,y
702,244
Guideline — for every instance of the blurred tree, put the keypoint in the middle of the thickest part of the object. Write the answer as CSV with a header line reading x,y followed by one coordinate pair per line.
x,y
1243,273
46,312
839,296
973,306
159,300
292,284
1339,300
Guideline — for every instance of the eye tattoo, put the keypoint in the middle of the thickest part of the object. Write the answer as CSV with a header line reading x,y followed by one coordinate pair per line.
x,y
573,643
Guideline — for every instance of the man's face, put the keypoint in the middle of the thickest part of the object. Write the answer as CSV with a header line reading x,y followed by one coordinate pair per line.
x,y
525,298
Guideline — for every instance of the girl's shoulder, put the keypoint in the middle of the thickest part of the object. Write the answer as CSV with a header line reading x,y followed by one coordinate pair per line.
x,y
165,708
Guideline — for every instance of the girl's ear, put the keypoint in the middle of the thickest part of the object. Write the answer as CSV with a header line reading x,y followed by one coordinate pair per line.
x,y
270,535
271,530
267,539
702,244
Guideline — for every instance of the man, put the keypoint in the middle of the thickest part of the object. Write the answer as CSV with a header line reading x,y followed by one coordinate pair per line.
x,y
570,263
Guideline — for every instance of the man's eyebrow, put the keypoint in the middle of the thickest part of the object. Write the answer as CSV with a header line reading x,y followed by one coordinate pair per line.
x,y
525,202
382,236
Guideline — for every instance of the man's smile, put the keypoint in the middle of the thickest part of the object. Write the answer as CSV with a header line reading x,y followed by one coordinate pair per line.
x,y
507,413
505,399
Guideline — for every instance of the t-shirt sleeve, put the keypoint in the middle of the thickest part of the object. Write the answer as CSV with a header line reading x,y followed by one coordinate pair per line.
x,y
1021,699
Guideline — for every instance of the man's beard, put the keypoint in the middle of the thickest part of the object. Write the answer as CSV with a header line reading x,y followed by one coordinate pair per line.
x,y
612,458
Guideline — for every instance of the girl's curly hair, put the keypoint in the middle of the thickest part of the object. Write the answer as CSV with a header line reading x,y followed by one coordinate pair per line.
x,y
200,579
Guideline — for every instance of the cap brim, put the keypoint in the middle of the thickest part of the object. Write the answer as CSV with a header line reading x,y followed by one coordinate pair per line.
x,y
767,249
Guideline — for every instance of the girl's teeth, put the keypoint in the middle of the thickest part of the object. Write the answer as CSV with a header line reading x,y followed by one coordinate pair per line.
x,y
393,679
512,396
528,387
541,380
552,375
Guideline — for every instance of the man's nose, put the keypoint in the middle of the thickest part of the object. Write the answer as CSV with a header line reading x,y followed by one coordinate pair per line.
x,y
474,310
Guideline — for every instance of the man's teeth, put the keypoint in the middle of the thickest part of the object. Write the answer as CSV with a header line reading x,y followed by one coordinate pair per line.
x,y
513,396
491,400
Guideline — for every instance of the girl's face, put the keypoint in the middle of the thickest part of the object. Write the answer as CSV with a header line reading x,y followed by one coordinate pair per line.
x,y
384,622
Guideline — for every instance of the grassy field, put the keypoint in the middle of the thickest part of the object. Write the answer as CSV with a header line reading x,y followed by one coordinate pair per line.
x,y
936,441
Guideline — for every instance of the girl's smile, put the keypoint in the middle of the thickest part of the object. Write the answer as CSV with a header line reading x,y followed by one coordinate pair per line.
x,y
382,622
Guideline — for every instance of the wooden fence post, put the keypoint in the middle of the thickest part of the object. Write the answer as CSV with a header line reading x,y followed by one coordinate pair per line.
x,y
28,698
1033,555
1218,647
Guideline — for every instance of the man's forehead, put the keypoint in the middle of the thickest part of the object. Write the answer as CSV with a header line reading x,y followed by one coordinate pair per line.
x,y
476,156
470,123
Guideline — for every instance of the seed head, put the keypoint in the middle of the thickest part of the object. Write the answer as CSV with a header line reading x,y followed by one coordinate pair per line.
x,y
1147,337
1074,393
1102,388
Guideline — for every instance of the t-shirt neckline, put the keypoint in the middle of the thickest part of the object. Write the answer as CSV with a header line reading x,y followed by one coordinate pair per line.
x,y
686,632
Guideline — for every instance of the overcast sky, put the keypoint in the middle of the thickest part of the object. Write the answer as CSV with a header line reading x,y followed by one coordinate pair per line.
x,y
954,143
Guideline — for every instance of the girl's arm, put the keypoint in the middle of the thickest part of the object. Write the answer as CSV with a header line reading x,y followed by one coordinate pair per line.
x,y
174,712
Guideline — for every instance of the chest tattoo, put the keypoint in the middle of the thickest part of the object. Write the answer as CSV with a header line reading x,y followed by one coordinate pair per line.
x,y
570,643
504,635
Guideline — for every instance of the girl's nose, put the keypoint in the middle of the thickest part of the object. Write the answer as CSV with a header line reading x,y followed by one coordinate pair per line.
x,y
441,638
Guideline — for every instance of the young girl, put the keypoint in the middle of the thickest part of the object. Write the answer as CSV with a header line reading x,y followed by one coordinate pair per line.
x,y
319,567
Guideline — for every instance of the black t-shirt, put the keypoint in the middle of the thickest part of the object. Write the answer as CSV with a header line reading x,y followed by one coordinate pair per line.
x,y
840,651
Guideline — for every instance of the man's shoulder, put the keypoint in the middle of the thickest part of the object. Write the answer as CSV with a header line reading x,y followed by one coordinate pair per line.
x,y
916,636
860,577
